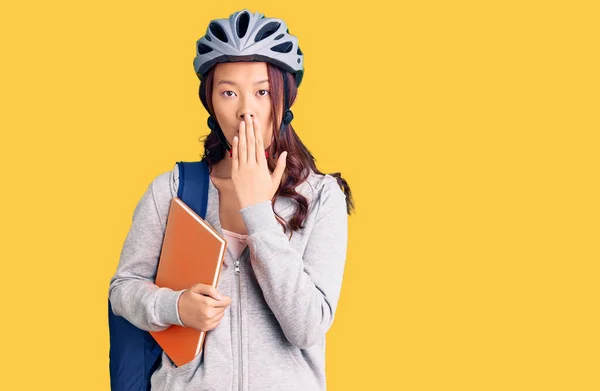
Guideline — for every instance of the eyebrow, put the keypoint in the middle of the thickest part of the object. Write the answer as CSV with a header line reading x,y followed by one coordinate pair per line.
x,y
232,83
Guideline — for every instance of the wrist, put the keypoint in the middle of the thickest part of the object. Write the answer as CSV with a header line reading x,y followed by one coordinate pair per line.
x,y
246,204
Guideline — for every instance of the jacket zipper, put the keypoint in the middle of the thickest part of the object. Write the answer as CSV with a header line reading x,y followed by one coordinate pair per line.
x,y
239,297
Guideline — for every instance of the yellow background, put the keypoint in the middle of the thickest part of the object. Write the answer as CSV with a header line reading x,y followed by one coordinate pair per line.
x,y
468,132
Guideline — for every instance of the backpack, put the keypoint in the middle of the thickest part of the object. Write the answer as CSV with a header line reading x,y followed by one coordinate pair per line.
x,y
134,354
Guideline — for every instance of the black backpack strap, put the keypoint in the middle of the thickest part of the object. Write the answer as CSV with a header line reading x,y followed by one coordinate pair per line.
x,y
193,185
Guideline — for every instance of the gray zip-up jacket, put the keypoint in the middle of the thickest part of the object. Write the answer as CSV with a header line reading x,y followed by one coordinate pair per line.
x,y
284,292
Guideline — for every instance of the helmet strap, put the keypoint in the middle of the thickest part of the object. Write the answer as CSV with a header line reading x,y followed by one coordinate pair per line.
x,y
214,126
288,116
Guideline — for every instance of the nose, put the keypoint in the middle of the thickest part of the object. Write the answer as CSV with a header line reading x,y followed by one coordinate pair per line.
x,y
245,108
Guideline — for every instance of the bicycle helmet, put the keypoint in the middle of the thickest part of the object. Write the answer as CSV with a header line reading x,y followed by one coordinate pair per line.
x,y
249,37
245,36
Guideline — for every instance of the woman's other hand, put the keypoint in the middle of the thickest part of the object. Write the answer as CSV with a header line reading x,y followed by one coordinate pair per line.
x,y
201,307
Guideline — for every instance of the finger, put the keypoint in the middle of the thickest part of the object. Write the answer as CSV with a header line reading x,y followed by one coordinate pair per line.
x,y
210,302
223,303
260,149
279,169
250,140
217,317
242,143
213,323
214,313
235,164
206,290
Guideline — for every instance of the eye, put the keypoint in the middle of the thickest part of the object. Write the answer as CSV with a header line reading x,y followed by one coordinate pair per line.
x,y
225,93
265,94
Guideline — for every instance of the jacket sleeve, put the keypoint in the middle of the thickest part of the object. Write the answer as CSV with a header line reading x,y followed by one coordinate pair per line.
x,y
302,290
132,291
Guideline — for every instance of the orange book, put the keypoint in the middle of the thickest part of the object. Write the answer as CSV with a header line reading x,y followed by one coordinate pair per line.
x,y
192,252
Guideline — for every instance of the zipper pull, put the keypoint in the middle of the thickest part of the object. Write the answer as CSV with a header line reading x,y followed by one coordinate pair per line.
x,y
237,266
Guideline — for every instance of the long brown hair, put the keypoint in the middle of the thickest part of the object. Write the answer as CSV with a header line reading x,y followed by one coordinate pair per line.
x,y
299,161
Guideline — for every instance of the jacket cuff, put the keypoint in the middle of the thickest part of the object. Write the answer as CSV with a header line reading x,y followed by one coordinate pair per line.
x,y
166,310
259,217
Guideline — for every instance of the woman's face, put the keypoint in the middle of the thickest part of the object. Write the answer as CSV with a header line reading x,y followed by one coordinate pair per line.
x,y
241,88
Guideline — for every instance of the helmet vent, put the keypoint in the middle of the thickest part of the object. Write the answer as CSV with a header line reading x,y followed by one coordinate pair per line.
x,y
299,52
203,49
218,32
242,24
279,37
285,47
266,31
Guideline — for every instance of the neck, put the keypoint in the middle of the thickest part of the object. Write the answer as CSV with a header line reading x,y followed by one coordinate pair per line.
x,y
222,169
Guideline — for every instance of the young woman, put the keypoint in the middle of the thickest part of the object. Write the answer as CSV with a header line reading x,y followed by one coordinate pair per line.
x,y
285,223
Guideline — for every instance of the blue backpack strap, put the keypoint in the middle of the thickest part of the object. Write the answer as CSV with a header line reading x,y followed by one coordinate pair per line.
x,y
193,185
134,354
